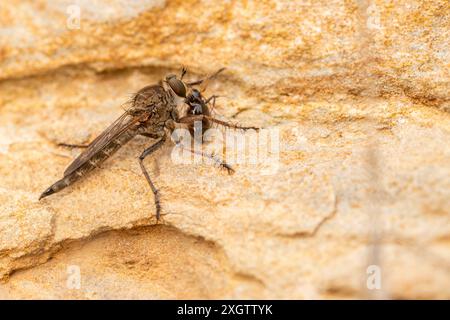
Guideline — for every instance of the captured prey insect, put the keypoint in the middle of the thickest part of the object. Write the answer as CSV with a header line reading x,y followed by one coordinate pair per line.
x,y
199,106
154,114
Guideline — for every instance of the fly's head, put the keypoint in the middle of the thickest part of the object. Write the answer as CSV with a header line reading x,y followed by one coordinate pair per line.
x,y
191,97
178,89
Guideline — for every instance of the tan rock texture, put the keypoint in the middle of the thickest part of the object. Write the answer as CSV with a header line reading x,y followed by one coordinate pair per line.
x,y
358,91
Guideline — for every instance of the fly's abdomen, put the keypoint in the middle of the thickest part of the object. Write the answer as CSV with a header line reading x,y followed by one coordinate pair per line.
x,y
100,156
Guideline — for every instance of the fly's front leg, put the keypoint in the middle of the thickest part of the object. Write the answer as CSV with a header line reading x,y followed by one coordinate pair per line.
x,y
155,191
192,119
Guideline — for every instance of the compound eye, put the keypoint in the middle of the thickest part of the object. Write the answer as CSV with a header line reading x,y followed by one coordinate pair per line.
x,y
177,86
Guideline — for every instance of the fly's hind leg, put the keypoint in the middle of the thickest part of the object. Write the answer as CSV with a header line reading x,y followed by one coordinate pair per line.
x,y
155,191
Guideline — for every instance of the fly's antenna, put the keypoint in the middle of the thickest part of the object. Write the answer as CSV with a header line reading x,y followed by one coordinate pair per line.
x,y
183,72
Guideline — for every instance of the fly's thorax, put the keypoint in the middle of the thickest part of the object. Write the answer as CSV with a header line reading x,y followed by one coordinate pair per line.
x,y
157,101
151,96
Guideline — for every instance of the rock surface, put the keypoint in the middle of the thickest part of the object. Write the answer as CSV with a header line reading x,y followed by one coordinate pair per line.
x,y
359,94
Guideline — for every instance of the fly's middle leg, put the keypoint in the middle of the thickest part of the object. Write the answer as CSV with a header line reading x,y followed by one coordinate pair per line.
x,y
194,118
217,161
155,191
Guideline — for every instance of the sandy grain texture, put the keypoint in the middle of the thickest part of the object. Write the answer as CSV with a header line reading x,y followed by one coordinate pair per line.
x,y
358,91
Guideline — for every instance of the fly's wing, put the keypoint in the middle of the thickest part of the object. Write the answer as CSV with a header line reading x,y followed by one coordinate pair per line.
x,y
118,127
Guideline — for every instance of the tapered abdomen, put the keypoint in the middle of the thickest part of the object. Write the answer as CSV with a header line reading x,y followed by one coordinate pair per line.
x,y
91,163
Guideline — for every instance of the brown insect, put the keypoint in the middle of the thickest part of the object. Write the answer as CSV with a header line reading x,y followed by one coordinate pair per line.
x,y
153,113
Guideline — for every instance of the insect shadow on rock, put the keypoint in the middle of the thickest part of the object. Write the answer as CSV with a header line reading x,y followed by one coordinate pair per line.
x,y
153,113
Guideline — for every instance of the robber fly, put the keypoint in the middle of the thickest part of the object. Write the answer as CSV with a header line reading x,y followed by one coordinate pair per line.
x,y
153,113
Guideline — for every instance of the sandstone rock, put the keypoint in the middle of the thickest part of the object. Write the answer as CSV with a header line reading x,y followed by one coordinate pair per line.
x,y
358,92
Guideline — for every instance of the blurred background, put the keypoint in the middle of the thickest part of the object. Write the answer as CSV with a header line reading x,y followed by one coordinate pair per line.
x,y
358,207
